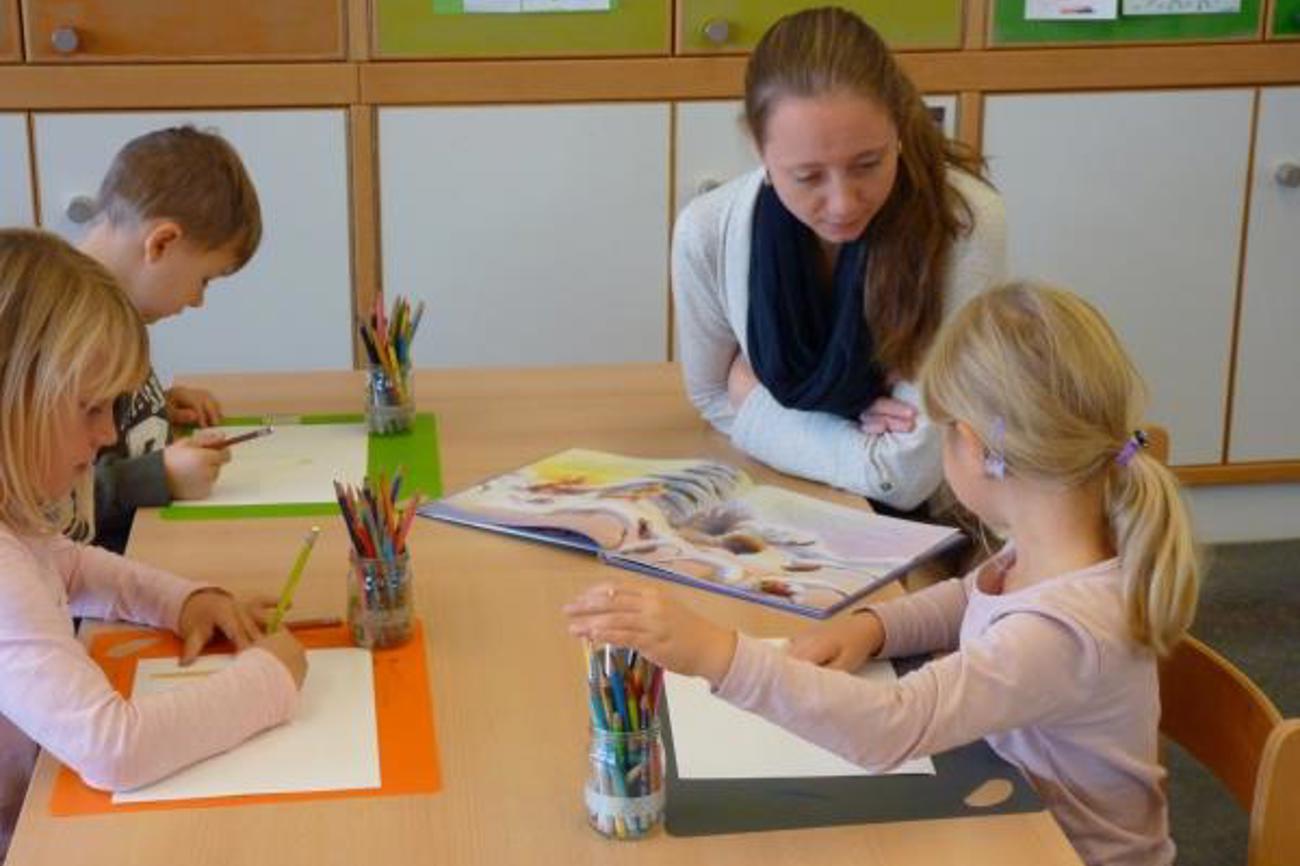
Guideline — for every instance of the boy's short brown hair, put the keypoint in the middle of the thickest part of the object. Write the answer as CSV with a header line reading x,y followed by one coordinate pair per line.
x,y
193,177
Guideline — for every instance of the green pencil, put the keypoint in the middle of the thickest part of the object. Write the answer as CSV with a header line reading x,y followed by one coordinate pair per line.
x,y
291,585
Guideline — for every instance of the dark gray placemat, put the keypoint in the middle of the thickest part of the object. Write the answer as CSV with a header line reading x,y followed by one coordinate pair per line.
x,y
701,807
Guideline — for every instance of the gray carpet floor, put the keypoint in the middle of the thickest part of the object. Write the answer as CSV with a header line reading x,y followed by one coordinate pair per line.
x,y
1250,612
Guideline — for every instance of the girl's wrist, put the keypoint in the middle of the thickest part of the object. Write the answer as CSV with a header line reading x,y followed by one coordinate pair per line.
x,y
720,655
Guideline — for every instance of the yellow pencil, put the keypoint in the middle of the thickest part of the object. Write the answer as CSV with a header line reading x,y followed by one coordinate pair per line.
x,y
290,585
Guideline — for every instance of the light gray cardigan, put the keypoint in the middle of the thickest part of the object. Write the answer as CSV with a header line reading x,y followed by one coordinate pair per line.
x,y
710,270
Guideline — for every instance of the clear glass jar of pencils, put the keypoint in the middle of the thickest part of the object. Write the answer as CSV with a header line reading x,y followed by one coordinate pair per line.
x,y
624,792
379,600
390,399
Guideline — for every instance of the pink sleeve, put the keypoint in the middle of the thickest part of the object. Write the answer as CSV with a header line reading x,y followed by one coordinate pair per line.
x,y
1025,669
925,621
107,586
55,693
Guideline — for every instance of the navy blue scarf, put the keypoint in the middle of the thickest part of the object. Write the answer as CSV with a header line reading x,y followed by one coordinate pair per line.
x,y
810,347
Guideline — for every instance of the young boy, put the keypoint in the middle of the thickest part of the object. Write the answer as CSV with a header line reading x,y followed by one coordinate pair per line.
x,y
176,210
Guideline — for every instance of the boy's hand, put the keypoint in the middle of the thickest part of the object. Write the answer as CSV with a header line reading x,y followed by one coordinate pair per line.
x,y
211,610
192,407
845,644
655,625
192,467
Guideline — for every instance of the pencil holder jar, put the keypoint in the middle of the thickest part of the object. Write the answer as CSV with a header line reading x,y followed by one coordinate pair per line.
x,y
379,600
625,783
390,399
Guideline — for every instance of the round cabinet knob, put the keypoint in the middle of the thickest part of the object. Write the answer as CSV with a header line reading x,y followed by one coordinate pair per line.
x,y
81,209
717,31
65,40
1287,174
707,185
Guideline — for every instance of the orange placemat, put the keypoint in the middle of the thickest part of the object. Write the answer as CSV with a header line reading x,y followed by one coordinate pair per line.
x,y
408,749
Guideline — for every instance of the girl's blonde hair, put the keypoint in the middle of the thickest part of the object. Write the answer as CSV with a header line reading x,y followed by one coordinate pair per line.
x,y
67,334
1041,378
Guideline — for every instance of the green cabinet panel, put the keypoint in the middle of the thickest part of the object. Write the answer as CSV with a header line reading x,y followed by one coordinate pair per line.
x,y
1011,28
731,26
434,28
1286,18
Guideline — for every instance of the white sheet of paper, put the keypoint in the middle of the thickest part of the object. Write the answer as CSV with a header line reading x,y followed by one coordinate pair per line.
x,y
1180,7
1049,10
332,744
295,464
714,740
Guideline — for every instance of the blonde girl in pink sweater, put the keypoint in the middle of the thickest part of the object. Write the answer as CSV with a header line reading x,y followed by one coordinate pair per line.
x,y
70,342
1048,649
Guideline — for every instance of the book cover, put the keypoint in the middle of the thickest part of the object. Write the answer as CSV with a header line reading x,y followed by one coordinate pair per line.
x,y
700,522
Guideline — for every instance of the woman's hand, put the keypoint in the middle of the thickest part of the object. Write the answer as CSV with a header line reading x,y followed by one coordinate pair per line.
x,y
887,415
845,644
655,625
740,381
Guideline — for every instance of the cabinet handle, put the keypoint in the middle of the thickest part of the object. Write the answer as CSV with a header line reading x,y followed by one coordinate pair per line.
x,y
65,40
717,31
1287,174
81,209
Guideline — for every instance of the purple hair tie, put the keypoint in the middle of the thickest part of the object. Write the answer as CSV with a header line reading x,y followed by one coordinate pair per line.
x,y
1136,441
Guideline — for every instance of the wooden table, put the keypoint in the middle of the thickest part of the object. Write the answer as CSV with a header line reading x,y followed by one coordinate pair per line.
x,y
506,679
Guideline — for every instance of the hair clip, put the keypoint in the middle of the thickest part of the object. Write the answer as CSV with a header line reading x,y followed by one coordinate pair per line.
x,y
995,462
1136,441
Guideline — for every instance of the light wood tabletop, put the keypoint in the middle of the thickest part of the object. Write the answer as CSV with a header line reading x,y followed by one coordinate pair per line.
x,y
507,682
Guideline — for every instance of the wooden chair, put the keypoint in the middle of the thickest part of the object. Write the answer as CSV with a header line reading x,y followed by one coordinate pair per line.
x,y
1215,712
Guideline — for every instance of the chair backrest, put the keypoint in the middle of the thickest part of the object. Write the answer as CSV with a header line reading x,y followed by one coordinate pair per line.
x,y
1215,712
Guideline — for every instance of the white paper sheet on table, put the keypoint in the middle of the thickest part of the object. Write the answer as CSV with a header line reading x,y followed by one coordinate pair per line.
x,y
714,740
331,744
297,463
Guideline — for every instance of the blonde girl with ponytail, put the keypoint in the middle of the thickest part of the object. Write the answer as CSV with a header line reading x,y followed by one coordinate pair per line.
x,y
70,343
1047,650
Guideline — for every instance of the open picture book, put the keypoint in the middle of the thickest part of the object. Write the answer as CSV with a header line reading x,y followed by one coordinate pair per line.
x,y
702,523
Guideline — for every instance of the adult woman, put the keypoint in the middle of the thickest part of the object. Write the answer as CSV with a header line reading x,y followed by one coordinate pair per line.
x,y
807,291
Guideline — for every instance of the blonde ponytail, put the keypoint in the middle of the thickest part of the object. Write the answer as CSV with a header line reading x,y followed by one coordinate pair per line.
x,y
1040,377
1153,536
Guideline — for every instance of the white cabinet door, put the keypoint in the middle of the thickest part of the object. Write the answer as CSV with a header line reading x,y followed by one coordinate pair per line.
x,y
536,234
713,143
1266,410
1134,200
290,308
15,172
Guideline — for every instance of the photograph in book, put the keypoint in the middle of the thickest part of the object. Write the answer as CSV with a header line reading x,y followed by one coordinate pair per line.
x,y
700,522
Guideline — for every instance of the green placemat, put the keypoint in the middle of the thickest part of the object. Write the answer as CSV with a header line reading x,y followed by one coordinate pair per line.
x,y
416,452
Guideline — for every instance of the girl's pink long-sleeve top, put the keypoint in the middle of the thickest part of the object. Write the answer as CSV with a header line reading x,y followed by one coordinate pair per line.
x,y
1047,675
52,694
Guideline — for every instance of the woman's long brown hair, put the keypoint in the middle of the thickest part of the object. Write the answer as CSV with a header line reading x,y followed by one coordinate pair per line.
x,y
825,50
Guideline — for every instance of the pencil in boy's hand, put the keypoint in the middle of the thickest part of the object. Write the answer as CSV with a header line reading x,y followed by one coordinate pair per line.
x,y
242,437
291,585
